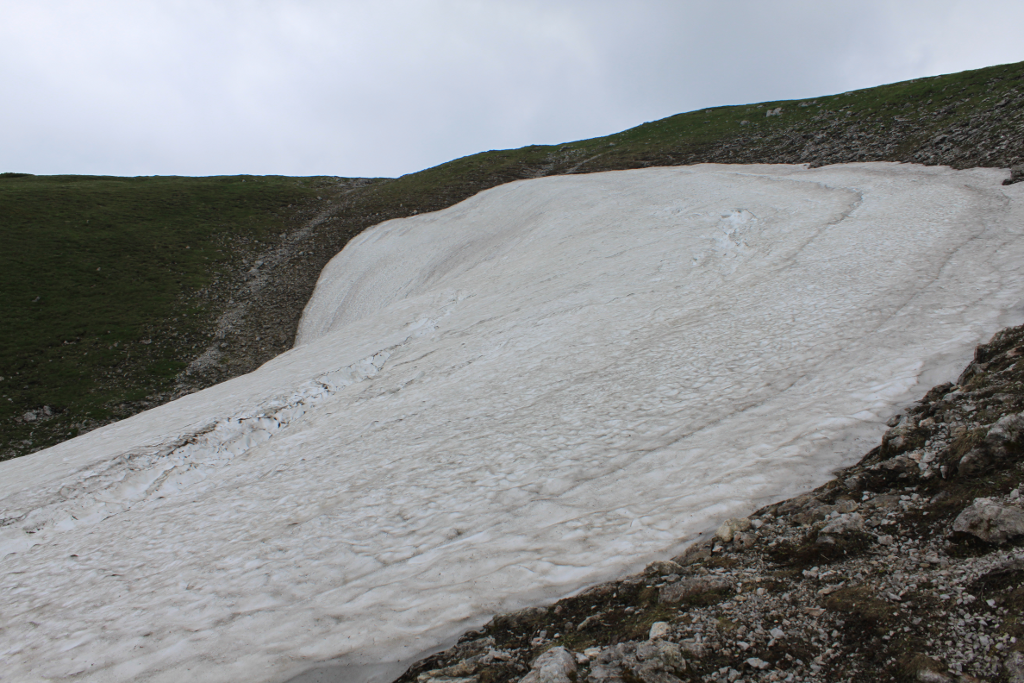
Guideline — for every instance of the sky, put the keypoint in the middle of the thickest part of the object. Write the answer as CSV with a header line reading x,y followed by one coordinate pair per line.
x,y
384,88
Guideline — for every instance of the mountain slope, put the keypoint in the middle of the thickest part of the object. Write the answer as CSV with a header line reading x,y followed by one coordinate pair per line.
x,y
244,311
501,402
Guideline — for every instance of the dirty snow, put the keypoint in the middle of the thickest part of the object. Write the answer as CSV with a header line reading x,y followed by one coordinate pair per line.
x,y
499,403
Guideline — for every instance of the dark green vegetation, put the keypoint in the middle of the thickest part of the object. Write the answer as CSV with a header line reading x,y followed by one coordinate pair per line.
x,y
100,279
256,245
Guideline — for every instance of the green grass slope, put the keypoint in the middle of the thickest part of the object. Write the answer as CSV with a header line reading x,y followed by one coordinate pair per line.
x,y
95,275
963,120
113,287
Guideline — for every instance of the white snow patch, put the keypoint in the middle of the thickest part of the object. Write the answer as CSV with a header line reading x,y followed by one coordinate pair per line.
x,y
500,403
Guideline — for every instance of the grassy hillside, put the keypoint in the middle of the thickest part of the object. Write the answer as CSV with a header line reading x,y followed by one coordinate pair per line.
x,y
99,278
963,120
122,293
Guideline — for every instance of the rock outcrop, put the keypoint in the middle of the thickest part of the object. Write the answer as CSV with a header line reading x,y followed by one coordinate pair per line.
x,y
990,522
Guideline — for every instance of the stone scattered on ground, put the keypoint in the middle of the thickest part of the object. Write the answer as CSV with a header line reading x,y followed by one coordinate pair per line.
x,y
908,566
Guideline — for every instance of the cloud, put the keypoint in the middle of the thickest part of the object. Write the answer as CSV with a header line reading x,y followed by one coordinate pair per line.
x,y
353,88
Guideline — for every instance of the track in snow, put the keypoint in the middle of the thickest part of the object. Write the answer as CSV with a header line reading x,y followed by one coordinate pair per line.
x,y
500,403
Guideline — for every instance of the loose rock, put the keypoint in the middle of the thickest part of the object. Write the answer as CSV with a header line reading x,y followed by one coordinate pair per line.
x,y
844,524
557,665
659,629
687,588
730,527
990,522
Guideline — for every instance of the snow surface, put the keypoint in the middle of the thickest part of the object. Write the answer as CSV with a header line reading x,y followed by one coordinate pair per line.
x,y
546,385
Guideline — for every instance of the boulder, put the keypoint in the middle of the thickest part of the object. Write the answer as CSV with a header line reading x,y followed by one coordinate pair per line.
x,y
655,661
849,523
846,505
813,512
990,521
658,656
898,438
756,663
662,568
695,553
686,588
901,464
1007,431
795,504
557,665
742,540
659,630
882,502
974,462
730,527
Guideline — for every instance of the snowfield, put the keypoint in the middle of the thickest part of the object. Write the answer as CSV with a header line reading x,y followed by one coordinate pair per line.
x,y
490,406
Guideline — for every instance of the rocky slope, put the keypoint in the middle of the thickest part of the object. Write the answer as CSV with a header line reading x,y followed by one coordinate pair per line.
x,y
908,566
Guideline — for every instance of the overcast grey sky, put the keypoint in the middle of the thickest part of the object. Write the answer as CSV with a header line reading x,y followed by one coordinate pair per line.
x,y
386,87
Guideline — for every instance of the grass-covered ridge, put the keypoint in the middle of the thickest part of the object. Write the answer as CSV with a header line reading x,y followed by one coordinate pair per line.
x,y
922,109
193,265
